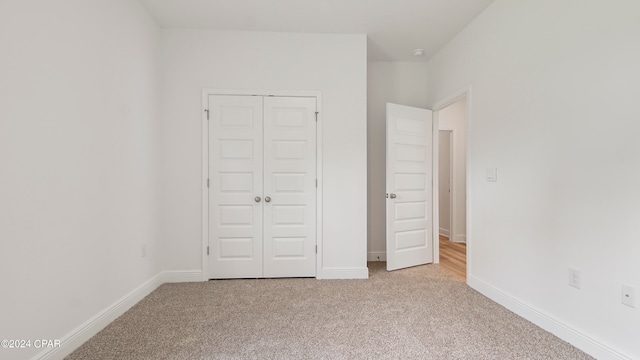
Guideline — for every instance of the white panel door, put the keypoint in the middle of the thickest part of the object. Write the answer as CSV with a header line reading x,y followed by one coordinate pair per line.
x,y
409,186
262,192
235,190
289,186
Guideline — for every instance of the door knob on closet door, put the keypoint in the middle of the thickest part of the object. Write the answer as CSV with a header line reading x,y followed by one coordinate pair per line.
x,y
267,199
257,199
393,196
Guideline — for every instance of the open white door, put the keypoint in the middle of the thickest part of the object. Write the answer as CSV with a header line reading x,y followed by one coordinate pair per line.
x,y
409,186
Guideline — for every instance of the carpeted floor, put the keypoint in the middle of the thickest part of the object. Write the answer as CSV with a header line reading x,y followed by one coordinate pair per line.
x,y
423,312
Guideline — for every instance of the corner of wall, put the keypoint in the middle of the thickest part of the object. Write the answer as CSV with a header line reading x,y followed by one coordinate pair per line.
x,y
89,328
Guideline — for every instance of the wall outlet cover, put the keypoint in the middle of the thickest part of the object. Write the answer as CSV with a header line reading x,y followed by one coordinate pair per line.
x,y
574,278
492,175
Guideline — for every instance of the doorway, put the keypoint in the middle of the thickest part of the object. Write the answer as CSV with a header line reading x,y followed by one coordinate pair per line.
x,y
452,125
444,181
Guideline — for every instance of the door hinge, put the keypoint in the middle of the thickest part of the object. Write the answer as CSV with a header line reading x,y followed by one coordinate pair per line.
x,y
316,249
316,116
316,182
207,251
207,111
207,182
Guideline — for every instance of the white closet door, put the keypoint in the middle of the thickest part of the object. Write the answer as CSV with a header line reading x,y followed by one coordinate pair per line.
x,y
289,186
235,172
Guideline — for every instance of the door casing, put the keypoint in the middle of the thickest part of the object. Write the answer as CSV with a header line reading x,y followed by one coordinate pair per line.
x,y
446,101
205,166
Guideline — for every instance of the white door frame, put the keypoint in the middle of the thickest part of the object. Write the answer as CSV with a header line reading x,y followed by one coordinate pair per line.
x,y
205,165
439,105
450,134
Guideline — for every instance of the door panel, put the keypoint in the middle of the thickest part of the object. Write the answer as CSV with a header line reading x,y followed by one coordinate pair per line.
x,y
290,183
235,222
262,147
409,186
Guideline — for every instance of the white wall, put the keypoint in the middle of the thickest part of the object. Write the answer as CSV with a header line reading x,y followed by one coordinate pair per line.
x,y
333,64
454,118
78,155
402,83
554,109
444,183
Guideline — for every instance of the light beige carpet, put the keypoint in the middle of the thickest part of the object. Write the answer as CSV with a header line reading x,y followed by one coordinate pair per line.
x,y
418,313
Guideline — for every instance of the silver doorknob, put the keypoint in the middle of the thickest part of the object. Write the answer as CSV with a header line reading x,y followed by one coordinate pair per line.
x,y
267,199
393,196
257,199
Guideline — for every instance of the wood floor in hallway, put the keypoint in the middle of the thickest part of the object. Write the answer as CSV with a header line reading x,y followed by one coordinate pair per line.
x,y
453,256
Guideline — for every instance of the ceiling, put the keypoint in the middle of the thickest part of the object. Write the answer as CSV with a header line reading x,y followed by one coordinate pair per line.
x,y
394,27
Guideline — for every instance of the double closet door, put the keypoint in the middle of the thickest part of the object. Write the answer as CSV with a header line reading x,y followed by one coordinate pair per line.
x,y
262,191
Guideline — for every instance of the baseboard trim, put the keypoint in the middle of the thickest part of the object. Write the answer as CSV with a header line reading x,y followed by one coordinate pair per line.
x,y
84,332
460,238
444,232
377,256
560,329
344,273
178,276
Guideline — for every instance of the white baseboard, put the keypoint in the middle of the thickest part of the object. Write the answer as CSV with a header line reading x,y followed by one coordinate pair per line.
x,y
460,238
377,256
560,329
84,332
444,232
344,273
178,276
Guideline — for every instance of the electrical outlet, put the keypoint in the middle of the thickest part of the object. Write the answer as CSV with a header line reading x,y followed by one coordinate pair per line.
x,y
144,250
492,175
574,278
629,296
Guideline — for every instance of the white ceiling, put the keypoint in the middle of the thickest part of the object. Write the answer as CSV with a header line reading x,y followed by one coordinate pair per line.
x,y
394,27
